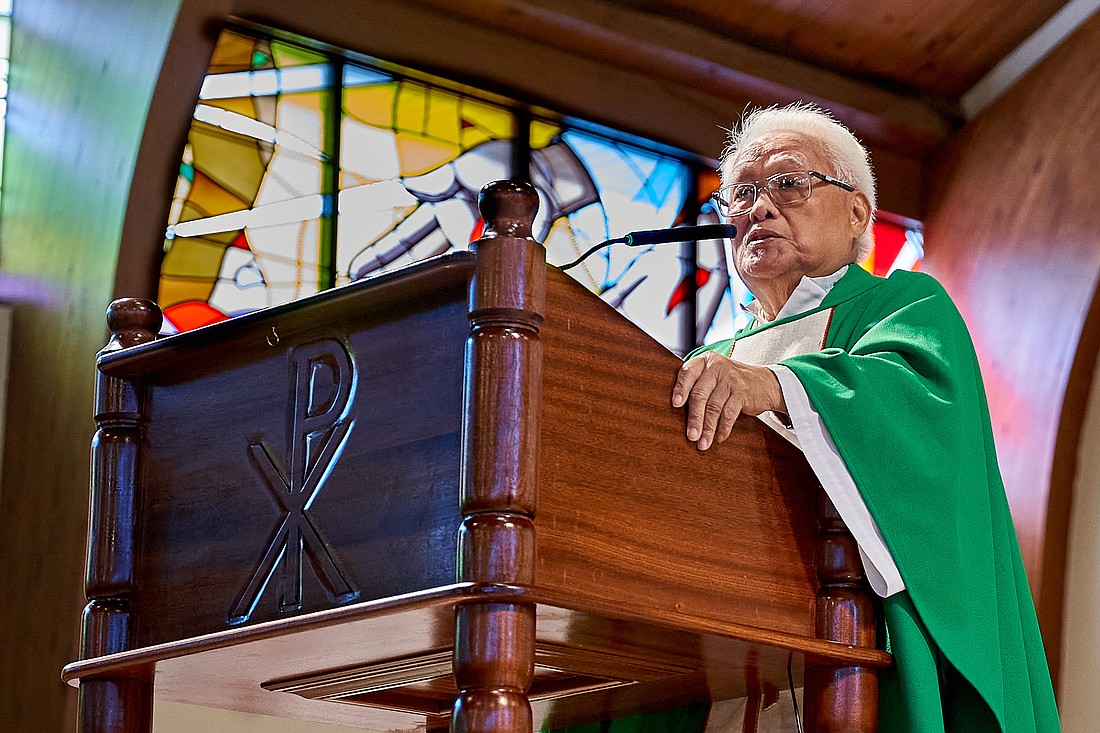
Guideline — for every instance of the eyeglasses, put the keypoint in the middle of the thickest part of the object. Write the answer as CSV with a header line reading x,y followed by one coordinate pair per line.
x,y
785,189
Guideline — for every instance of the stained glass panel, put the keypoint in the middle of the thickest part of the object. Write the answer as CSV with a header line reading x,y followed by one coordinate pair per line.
x,y
244,226
720,293
413,158
899,245
595,188
252,224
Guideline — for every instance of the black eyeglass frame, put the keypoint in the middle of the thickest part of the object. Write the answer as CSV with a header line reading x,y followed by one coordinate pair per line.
x,y
723,205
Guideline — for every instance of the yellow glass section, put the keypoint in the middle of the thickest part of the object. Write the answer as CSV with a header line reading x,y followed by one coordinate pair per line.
x,y
199,258
410,107
288,55
431,126
481,121
234,161
440,113
209,199
190,213
371,104
245,106
419,155
175,290
542,133
233,52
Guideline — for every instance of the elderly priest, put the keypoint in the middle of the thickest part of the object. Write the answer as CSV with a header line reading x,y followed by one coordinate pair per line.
x,y
876,380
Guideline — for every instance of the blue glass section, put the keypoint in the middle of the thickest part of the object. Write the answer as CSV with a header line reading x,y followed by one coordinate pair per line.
x,y
637,189
358,76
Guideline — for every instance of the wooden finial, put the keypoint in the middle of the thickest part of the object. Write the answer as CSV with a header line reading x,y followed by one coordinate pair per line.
x,y
132,321
508,208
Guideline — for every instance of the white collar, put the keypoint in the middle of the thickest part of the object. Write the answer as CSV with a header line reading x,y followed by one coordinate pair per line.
x,y
807,295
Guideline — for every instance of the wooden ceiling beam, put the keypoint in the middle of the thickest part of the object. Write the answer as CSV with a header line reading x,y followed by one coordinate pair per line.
x,y
699,59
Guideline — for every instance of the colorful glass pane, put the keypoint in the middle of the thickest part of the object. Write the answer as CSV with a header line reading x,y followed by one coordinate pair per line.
x,y
899,245
413,158
595,188
720,300
244,227
252,222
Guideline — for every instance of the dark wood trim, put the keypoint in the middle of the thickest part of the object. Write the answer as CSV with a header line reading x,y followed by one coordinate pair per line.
x,y
1050,603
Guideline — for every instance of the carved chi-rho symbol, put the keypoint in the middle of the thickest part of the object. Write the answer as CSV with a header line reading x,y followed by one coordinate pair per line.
x,y
322,380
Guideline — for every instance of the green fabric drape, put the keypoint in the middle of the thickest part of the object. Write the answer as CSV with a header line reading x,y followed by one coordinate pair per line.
x,y
898,387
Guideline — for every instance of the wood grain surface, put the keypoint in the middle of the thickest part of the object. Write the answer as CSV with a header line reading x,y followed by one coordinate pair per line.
x,y
630,510
218,441
940,47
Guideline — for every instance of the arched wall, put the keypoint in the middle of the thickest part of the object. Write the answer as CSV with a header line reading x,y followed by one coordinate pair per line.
x,y
81,78
1078,702
1013,231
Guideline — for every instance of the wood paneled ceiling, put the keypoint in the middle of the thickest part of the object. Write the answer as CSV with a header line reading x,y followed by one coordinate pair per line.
x,y
939,48
895,71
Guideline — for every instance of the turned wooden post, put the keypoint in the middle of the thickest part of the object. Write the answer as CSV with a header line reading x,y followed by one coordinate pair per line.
x,y
123,704
495,642
841,699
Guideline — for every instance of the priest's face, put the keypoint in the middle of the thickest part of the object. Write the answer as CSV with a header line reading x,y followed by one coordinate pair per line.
x,y
776,243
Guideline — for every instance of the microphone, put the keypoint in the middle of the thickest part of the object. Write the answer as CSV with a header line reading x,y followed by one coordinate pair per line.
x,y
661,236
680,234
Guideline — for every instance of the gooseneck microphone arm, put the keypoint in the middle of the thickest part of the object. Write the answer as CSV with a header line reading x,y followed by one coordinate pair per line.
x,y
660,236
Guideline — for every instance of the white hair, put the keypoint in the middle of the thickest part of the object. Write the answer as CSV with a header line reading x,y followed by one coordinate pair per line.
x,y
850,160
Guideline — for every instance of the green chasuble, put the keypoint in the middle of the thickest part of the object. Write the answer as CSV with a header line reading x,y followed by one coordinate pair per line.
x,y
898,387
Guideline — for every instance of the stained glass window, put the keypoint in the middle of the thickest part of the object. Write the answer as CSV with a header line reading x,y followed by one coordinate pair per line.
x,y
304,170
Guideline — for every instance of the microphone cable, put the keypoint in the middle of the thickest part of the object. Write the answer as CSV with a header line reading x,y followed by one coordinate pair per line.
x,y
592,250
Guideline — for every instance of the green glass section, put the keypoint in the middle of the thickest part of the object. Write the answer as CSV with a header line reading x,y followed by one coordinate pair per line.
x,y
286,54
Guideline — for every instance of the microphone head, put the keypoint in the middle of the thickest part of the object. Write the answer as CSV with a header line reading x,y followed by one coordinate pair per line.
x,y
681,234
660,236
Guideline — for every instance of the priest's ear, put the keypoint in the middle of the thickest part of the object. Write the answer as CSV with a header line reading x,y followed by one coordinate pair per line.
x,y
860,215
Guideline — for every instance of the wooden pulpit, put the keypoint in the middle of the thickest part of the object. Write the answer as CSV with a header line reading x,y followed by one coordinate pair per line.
x,y
451,495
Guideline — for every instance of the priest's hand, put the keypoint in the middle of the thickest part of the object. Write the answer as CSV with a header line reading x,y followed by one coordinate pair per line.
x,y
717,390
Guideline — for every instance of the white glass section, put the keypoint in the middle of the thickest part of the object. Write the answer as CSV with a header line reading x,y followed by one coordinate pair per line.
x,y
637,189
282,212
265,82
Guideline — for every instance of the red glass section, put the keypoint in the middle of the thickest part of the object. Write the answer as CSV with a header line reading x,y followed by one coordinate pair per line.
x,y
679,295
889,239
479,229
193,314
